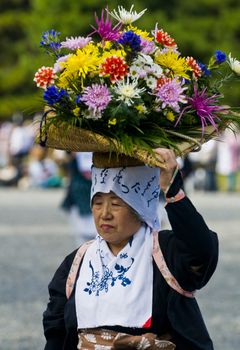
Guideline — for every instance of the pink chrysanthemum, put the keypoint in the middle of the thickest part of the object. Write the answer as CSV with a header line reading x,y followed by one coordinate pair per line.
x,y
44,77
75,43
96,97
170,94
115,67
57,66
206,108
147,46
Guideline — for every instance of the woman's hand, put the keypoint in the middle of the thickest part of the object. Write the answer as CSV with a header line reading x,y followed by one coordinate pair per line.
x,y
168,156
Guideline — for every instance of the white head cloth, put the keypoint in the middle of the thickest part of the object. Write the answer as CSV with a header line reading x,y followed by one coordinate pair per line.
x,y
138,186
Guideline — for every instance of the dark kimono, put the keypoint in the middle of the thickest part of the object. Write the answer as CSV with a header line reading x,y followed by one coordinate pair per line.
x,y
191,253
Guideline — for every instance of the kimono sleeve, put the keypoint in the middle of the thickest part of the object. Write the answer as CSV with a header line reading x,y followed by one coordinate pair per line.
x,y
192,251
53,316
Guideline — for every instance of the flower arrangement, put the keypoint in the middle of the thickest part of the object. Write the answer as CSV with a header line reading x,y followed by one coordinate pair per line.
x,y
134,86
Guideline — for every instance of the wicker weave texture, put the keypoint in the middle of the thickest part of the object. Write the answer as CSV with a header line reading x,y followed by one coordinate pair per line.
x,y
74,139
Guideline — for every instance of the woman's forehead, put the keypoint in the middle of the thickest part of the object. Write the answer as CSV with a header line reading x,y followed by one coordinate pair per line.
x,y
108,194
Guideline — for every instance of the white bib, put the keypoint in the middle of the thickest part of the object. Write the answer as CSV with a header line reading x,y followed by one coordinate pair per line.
x,y
116,290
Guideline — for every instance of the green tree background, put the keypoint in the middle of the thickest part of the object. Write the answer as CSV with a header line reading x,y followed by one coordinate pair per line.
x,y
199,27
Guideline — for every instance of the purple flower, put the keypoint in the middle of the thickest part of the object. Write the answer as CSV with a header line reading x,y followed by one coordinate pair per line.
x,y
147,46
220,56
75,43
206,108
96,97
105,29
57,65
53,95
171,94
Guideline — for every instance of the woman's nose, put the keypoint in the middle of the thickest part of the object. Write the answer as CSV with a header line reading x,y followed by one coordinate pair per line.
x,y
106,211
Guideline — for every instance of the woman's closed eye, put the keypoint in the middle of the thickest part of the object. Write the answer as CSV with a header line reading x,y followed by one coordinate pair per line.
x,y
97,202
116,204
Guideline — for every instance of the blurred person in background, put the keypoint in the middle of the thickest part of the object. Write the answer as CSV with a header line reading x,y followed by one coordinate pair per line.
x,y
204,165
77,197
228,158
5,132
20,142
8,172
42,170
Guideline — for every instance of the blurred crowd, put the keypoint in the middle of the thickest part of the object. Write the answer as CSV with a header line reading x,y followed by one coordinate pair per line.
x,y
25,164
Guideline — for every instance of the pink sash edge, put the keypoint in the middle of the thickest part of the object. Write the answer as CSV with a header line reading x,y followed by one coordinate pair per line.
x,y
75,266
161,264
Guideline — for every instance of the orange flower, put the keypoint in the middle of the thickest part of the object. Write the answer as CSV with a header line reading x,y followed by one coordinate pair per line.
x,y
195,67
164,38
163,80
115,67
44,77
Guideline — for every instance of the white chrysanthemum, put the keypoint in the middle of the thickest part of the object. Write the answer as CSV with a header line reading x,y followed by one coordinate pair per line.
x,y
156,70
234,64
137,71
128,91
144,59
143,66
151,82
91,114
126,17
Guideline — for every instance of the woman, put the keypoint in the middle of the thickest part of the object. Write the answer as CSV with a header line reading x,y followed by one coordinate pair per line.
x,y
124,297
77,198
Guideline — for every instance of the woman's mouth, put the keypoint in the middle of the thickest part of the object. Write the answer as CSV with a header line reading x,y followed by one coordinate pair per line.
x,y
106,228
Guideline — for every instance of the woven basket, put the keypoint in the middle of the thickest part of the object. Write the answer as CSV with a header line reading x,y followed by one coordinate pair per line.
x,y
75,139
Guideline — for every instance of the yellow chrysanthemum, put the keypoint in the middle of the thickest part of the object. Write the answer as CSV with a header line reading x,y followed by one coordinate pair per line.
x,y
176,65
170,116
143,33
112,52
85,61
107,45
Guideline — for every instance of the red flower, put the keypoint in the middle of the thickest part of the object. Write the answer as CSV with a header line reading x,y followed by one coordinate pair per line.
x,y
195,67
115,67
164,38
163,80
44,77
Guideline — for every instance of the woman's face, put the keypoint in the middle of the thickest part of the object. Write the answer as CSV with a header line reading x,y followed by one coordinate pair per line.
x,y
114,220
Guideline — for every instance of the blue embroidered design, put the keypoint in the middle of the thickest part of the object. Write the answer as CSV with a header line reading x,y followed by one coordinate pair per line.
x,y
99,284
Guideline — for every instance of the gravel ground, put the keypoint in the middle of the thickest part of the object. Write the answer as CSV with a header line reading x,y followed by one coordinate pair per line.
x,y
35,237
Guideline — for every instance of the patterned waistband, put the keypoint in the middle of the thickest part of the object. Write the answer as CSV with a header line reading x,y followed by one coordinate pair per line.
x,y
98,338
